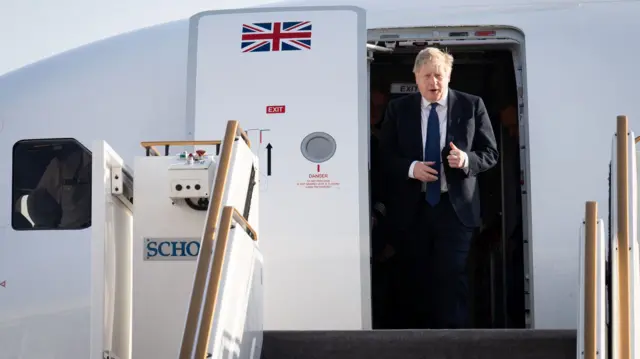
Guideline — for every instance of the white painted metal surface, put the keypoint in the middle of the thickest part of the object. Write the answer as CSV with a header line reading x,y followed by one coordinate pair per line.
x,y
325,196
167,235
164,260
111,253
237,330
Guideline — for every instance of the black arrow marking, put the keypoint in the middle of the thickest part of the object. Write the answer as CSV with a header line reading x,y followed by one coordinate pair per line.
x,y
269,147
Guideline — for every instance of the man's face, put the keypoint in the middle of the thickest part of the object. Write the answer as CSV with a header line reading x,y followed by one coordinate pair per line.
x,y
432,81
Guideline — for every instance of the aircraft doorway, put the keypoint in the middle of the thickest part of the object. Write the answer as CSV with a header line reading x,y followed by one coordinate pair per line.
x,y
498,263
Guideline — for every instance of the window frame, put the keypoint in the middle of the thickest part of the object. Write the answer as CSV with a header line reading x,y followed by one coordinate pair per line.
x,y
25,145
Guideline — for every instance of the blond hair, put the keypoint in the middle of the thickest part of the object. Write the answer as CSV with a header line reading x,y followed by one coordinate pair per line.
x,y
434,56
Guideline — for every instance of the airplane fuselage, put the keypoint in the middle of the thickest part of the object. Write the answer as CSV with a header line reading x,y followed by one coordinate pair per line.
x,y
577,71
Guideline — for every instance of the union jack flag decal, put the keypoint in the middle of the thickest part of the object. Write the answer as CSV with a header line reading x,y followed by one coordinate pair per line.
x,y
276,36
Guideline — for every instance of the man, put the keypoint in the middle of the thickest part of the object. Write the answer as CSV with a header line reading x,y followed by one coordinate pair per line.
x,y
434,143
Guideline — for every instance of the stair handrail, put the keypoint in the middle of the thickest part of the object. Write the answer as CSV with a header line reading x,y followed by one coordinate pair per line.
x,y
622,322
233,130
149,146
592,286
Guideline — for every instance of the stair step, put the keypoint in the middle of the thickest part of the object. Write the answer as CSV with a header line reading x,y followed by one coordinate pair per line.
x,y
420,344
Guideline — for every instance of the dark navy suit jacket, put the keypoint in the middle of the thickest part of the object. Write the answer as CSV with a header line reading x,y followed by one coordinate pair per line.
x,y
468,127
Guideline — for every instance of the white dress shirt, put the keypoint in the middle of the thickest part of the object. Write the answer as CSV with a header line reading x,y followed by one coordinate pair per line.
x,y
441,110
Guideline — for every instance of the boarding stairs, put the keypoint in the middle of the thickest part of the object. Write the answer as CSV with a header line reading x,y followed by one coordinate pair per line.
x,y
604,331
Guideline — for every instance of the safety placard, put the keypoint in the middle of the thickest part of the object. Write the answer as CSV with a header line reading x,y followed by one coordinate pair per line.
x,y
319,180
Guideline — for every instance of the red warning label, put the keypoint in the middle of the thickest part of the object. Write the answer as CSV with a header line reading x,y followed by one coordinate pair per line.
x,y
276,109
319,180
3,284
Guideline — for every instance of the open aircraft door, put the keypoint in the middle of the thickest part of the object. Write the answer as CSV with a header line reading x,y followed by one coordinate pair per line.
x,y
296,78
111,272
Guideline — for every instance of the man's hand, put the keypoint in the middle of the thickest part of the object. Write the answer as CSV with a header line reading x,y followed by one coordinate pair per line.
x,y
456,158
423,172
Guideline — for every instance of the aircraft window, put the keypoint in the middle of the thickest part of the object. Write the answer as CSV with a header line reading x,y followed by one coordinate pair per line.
x,y
318,147
51,185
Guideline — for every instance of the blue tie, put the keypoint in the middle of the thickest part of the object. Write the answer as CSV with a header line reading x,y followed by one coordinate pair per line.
x,y
432,153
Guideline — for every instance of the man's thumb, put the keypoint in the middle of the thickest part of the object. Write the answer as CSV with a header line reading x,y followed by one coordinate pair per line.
x,y
453,147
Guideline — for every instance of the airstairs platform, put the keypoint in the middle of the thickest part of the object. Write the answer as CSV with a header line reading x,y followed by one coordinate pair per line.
x,y
420,344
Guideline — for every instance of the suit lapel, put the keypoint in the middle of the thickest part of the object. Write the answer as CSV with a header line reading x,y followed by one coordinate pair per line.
x,y
415,127
453,118
453,115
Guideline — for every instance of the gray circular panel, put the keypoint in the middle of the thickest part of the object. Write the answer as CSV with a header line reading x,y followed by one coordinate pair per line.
x,y
318,147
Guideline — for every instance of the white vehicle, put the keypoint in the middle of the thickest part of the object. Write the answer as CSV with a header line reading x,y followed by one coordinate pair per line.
x,y
569,68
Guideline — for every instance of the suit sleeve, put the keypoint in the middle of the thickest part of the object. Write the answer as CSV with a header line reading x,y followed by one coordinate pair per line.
x,y
484,150
395,165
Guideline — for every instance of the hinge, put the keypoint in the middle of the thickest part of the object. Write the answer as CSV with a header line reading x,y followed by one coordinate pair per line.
x,y
116,181
122,187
